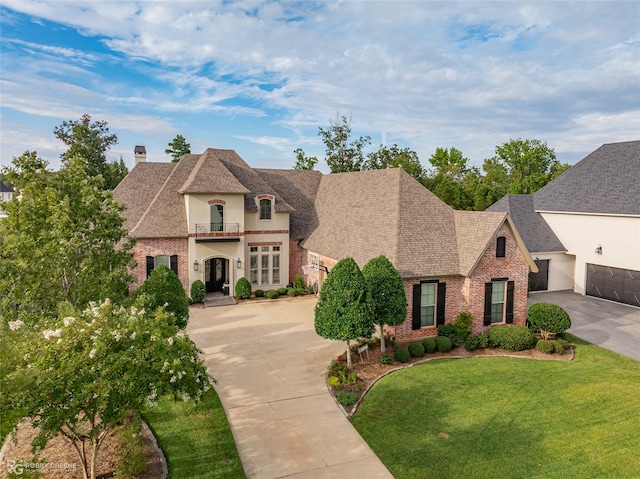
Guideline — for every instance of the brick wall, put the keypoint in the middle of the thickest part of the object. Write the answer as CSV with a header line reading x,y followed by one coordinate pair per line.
x,y
297,258
161,246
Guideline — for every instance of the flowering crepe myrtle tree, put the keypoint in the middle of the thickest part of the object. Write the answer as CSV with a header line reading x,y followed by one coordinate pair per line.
x,y
85,374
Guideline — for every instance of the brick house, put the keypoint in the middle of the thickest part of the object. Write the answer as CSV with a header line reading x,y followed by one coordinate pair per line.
x,y
213,217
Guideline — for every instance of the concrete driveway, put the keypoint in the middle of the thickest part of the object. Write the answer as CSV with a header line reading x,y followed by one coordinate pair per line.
x,y
270,366
611,325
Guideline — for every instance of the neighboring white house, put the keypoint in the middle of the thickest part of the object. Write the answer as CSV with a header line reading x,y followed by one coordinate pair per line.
x,y
6,193
583,228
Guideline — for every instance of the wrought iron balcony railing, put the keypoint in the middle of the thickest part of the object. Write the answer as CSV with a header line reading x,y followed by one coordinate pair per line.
x,y
217,229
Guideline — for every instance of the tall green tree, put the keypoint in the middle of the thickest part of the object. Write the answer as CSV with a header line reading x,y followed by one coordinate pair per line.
x,y
387,294
304,162
395,157
177,148
90,140
451,178
342,153
344,311
63,239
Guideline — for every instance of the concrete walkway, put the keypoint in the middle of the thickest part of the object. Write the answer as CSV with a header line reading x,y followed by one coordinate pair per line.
x,y
270,366
611,325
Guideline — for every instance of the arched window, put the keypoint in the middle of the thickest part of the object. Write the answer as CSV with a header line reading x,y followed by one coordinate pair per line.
x,y
217,218
265,209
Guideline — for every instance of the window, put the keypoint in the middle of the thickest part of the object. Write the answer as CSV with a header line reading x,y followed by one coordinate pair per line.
x,y
428,304
169,261
501,247
498,301
276,248
253,269
265,269
275,269
217,218
265,249
265,209
253,249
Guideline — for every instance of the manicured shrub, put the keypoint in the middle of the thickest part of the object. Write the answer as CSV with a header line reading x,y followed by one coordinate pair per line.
x,y
478,341
386,359
333,381
560,346
198,291
259,293
282,291
416,350
291,292
550,319
443,344
402,355
243,288
462,326
545,346
163,287
511,338
449,331
347,398
271,294
429,345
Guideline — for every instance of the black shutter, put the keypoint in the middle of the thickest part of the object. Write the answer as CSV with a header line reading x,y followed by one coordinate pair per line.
x,y
415,323
501,247
510,288
150,265
174,263
488,289
442,294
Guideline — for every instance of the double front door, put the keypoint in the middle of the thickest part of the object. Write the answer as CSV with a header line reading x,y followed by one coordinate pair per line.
x,y
215,274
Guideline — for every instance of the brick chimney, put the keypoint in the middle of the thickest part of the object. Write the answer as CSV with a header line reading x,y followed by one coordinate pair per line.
x,y
140,154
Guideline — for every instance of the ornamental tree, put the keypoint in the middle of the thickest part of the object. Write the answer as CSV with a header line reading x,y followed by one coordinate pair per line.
x,y
550,319
86,373
344,310
387,294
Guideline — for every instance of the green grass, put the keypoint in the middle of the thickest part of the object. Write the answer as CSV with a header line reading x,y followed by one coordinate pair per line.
x,y
196,440
508,418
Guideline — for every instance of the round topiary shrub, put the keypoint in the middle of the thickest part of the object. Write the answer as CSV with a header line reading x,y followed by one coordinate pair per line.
x,y
243,288
429,345
511,338
402,355
545,346
271,294
162,288
449,330
478,341
291,292
550,319
259,293
198,291
443,344
560,346
282,291
416,350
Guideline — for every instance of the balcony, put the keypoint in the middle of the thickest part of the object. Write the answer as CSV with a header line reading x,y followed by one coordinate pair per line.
x,y
216,232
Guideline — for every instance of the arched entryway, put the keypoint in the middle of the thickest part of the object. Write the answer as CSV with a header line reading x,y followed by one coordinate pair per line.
x,y
216,274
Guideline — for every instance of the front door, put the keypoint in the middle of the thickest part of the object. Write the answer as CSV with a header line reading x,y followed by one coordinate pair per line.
x,y
215,274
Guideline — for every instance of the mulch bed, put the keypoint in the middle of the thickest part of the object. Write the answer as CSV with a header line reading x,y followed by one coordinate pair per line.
x,y
369,369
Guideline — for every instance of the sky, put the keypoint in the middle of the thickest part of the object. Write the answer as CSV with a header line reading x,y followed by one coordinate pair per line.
x,y
261,78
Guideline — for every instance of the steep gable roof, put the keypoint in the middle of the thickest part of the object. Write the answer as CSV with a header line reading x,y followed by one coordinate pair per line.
x,y
536,233
604,182
209,175
5,188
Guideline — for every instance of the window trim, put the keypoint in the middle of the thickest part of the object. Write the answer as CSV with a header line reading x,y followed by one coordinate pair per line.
x,y
509,296
440,306
263,212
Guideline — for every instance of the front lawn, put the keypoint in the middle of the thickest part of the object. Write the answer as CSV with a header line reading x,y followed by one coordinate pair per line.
x,y
508,418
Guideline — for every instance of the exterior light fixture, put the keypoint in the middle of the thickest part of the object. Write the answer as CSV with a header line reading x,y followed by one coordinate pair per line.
x,y
599,249
195,265
239,263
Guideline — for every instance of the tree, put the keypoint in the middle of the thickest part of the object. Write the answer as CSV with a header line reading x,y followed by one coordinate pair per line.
x,y
63,239
304,162
87,373
395,157
550,319
344,310
451,178
341,153
529,164
90,141
387,294
163,287
177,148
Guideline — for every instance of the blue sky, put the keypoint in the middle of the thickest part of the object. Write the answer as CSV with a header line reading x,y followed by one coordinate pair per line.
x,y
262,77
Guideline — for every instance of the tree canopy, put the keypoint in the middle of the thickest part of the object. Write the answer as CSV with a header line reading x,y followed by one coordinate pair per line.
x,y
344,311
63,239
304,162
387,294
177,148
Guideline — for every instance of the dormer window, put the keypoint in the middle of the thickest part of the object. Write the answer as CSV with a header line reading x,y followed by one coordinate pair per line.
x,y
501,247
265,208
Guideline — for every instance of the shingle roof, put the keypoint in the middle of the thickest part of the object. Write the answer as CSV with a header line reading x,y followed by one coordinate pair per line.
x,y
536,233
605,182
209,175
5,188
